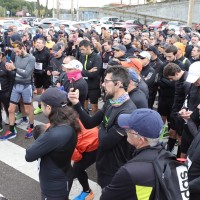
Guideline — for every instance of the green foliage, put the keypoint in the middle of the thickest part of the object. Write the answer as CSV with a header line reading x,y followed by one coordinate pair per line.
x,y
18,5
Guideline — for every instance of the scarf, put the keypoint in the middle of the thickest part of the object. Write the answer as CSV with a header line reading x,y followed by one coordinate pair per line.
x,y
120,100
76,75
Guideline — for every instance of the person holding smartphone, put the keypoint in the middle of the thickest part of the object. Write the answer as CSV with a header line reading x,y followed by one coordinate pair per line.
x,y
72,78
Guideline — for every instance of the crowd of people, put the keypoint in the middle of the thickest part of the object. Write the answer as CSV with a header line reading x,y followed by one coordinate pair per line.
x,y
133,73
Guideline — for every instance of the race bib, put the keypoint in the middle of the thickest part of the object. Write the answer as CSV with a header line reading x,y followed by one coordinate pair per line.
x,y
105,65
38,66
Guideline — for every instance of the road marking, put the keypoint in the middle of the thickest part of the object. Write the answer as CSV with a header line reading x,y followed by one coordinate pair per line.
x,y
17,153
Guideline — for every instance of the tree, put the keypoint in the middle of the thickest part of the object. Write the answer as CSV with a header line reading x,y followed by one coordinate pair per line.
x,y
46,8
38,7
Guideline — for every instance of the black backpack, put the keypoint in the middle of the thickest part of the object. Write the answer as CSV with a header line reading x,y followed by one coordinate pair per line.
x,y
171,177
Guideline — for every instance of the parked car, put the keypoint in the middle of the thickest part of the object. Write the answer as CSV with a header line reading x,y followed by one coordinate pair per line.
x,y
36,22
6,24
134,23
94,22
27,20
109,18
157,24
48,20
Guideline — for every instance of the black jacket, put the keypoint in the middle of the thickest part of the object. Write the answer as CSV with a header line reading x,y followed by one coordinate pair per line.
x,y
139,98
92,78
194,168
113,148
144,87
80,84
149,75
42,57
131,180
129,50
56,64
7,79
181,90
186,63
55,148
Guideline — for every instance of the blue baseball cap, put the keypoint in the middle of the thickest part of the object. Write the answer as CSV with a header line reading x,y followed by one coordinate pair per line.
x,y
133,76
148,123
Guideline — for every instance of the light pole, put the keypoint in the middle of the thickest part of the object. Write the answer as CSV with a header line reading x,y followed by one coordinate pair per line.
x,y
77,11
190,12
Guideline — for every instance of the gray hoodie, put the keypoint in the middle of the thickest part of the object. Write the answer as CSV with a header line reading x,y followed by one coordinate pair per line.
x,y
24,69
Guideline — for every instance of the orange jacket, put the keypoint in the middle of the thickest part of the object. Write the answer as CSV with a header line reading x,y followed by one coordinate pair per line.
x,y
87,141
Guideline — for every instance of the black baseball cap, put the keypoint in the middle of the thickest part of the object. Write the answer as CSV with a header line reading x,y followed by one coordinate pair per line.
x,y
154,49
53,97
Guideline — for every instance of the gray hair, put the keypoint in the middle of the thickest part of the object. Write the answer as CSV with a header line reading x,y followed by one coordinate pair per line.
x,y
152,141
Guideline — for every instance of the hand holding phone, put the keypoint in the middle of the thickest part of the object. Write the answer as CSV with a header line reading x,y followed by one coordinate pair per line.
x,y
73,85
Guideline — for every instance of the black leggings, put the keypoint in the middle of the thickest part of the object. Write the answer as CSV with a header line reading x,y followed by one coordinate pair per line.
x,y
79,168
4,99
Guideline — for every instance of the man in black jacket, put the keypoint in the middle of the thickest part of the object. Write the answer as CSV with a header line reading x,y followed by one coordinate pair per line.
x,y
148,74
188,112
195,54
92,64
41,79
174,73
113,149
156,64
55,67
137,179
127,41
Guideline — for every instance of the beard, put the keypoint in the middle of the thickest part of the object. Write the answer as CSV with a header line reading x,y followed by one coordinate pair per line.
x,y
108,96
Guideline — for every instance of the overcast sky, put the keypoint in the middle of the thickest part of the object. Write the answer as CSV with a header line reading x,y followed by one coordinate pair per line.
x,y
82,3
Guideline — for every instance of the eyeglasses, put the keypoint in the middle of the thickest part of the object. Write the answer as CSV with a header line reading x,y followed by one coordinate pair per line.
x,y
106,80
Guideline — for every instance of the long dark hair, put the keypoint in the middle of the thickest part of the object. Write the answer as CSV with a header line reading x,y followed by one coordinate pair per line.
x,y
64,115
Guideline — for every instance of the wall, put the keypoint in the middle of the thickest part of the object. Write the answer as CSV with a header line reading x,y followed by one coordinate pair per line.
x,y
174,10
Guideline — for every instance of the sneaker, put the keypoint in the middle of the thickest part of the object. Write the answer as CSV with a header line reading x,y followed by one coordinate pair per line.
x,y
22,122
38,110
18,115
85,196
1,128
8,135
29,133
28,126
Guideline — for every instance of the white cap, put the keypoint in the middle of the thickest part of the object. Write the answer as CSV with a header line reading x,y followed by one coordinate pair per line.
x,y
194,72
74,64
145,54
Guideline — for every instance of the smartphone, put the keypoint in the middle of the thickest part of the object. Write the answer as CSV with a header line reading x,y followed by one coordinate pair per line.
x,y
7,58
73,84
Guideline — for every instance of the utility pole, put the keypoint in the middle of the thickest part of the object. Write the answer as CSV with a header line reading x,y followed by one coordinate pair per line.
x,y
72,10
190,12
58,9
